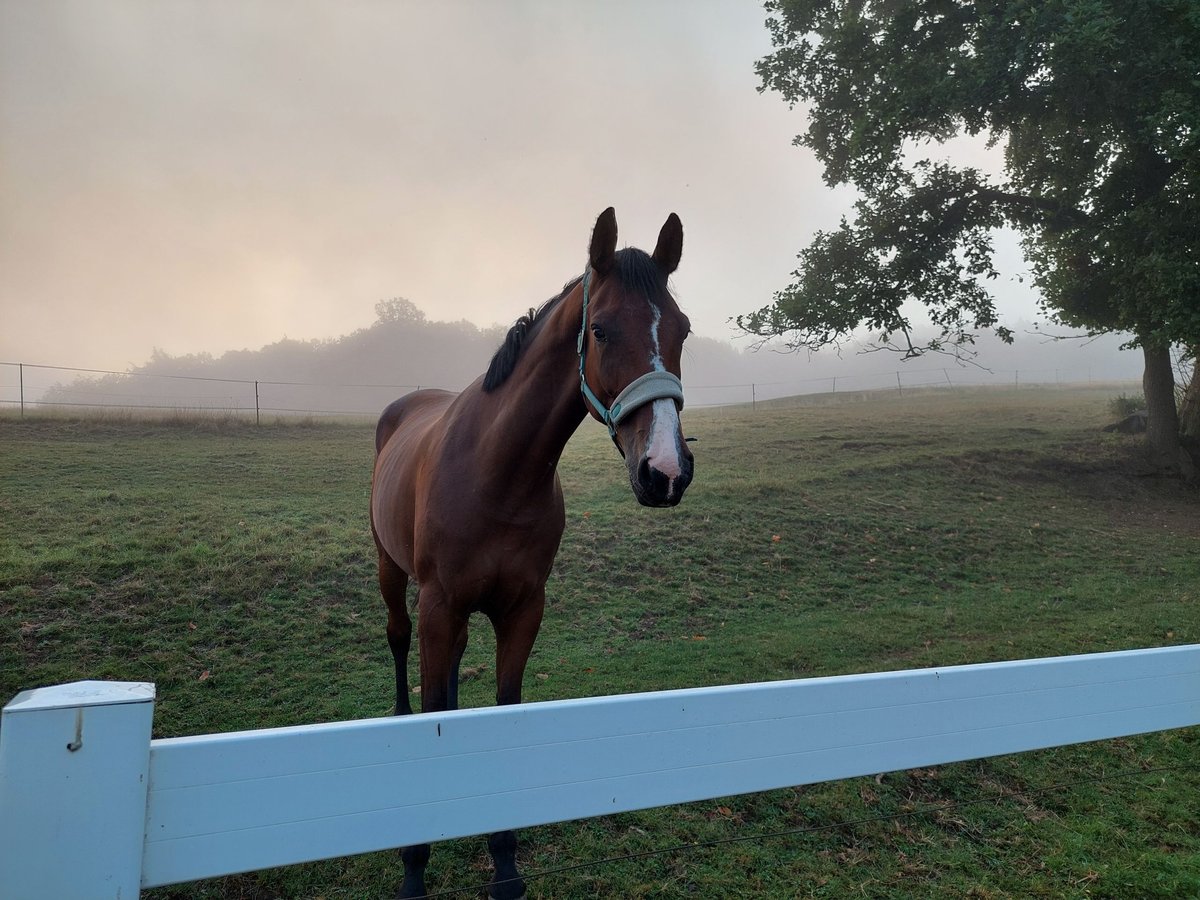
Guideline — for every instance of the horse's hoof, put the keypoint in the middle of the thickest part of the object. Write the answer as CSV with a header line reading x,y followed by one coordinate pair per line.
x,y
506,891
412,889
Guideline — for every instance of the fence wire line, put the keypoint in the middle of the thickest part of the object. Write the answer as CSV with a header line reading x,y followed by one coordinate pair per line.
x,y
202,377
994,373
850,383
813,829
180,406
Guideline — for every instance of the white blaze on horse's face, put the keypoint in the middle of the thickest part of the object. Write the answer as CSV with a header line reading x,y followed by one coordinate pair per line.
x,y
664,452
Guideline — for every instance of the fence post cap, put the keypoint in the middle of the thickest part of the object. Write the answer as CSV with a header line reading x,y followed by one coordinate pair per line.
x,y
81,693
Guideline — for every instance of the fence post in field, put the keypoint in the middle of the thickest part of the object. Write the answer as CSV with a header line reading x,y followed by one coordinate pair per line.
x,y
74,766
899,386
21,377
753,399
257,414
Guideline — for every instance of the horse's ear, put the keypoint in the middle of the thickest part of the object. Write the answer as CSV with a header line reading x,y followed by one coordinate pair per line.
x,y
604,242
670,244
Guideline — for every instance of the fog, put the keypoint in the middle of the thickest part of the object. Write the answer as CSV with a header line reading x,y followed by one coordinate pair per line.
x,y
199,178
360,373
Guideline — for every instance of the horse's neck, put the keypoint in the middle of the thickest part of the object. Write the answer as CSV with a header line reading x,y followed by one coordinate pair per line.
x,y
539,407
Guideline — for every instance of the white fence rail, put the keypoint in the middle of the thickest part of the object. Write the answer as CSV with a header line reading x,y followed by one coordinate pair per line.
x,y
90,806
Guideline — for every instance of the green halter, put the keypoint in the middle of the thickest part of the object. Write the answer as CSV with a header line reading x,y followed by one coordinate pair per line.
x,y
655,385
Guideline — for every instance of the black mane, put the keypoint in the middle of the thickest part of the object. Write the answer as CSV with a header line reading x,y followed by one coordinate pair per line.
x,y
505,359
635,268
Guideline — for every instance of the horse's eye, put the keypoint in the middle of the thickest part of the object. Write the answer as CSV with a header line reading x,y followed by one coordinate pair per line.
x,y
598,334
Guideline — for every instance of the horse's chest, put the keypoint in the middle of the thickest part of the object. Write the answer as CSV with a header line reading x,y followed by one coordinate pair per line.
x,y
487,540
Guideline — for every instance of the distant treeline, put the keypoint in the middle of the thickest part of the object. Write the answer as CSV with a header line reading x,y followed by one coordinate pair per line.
x,y
358,372
363,371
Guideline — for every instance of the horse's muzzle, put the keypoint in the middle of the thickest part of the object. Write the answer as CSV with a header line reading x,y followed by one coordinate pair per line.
x,y
654,487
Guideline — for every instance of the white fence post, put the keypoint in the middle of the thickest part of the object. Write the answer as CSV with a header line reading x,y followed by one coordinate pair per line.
x,y
74,771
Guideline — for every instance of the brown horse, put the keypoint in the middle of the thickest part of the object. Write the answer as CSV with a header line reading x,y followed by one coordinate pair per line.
x,y
465,498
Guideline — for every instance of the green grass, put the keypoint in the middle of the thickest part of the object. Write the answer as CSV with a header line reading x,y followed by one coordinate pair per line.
x,y
232,565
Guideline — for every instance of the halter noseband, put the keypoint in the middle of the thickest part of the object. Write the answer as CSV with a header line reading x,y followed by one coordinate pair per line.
x,y
655,385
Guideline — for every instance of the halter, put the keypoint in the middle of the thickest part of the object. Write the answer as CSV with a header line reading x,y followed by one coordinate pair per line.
x,y
655,385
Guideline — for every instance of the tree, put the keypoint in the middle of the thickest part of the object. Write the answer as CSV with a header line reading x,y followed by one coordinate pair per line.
x,y
1096,104
399,309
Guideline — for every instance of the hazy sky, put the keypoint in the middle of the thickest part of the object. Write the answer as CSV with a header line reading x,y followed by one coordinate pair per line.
x,y
208,176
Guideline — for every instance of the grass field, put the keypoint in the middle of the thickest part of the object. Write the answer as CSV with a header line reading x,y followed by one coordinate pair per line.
x,y
232,565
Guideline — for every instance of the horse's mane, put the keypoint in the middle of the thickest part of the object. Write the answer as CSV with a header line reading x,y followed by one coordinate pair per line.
x,y
636,269
505,358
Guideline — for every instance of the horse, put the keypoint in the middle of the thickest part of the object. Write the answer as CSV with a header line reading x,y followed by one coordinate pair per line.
x,y
465,496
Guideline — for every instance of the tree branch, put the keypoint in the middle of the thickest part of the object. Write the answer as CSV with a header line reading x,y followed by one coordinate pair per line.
x,y
1057,213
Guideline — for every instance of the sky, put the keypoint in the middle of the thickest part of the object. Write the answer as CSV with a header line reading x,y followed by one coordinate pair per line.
x,y
212,176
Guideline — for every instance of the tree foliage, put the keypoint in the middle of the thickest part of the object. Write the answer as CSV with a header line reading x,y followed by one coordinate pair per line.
x,y
1096,104
399,309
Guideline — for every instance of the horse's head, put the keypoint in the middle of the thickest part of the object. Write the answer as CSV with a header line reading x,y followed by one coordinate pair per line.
x,y
629,347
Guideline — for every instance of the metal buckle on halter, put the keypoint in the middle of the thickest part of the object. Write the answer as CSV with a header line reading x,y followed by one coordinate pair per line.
x,y
656,385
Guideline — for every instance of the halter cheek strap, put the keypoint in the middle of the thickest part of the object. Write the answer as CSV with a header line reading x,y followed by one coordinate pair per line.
x,y
655,385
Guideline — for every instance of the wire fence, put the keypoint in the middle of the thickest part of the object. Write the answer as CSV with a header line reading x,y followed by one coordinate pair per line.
x,y
31,388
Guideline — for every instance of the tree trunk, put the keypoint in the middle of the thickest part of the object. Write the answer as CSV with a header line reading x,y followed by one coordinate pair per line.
x,y
1162,419
1189,409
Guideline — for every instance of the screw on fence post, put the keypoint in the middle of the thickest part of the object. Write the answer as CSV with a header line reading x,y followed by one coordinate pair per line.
x,y
257,413
74,773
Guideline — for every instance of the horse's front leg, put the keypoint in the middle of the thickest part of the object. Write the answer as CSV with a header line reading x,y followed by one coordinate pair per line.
x,y
442,637
515,634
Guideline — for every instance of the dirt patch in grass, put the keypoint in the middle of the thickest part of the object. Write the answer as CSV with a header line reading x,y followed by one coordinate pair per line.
x,y
1118,480
1127,488
1176,517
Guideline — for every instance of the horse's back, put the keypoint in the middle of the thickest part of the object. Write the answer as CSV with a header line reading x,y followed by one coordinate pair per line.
x,y
421,406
